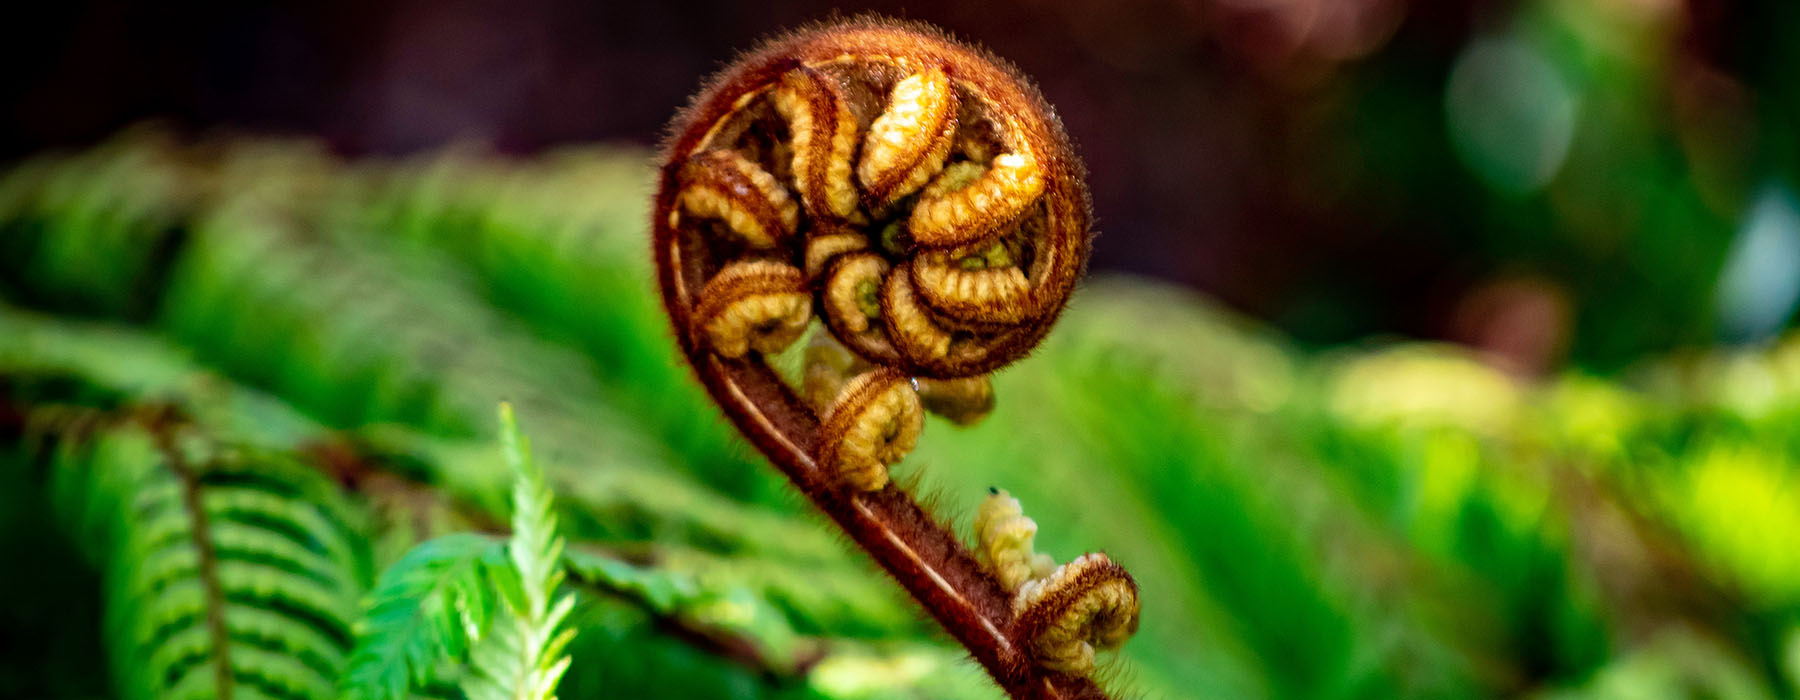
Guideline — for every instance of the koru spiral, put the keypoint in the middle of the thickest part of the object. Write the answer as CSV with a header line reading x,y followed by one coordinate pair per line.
x,y
920,200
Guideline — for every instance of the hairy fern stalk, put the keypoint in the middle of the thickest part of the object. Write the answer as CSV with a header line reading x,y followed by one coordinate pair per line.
x,y
249,450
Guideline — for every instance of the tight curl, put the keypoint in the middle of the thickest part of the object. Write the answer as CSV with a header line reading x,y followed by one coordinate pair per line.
x,y
915,205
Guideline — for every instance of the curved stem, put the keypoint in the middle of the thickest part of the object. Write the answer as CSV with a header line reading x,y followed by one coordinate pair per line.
x,y
921,554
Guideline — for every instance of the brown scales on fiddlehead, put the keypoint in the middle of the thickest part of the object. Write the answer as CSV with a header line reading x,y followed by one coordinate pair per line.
x,y
920,199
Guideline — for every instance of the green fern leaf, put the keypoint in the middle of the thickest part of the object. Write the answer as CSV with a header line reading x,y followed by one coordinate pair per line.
x,y
425,611
525,656
205,599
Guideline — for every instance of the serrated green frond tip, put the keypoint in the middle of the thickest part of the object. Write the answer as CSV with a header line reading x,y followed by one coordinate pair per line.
x,y
512,445
471,600
523,658
534,549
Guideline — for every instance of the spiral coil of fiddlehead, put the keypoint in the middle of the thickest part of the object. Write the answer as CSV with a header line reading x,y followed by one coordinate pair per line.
x,y
1065,612
919,200
917,192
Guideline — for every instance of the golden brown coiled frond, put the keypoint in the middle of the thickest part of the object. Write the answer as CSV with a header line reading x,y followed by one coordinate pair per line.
x,y
976,284
753,305
917,197
898,142
913,328
725,185
875,420
852,293
826,245
908,143
824,136
996,198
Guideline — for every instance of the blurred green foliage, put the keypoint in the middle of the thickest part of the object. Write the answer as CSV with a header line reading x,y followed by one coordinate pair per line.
x,y
249,368
1616,152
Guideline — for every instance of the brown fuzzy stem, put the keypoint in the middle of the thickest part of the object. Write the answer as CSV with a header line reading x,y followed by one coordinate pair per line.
x,y
920,553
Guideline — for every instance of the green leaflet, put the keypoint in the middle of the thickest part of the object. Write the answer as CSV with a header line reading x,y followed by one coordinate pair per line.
x,y
422,615
205,597
724,605
465,600
523,658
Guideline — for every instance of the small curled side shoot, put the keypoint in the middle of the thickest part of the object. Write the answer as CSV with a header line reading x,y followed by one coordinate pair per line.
x,y
1085,605
1065,613
875,420
753,305
1006,537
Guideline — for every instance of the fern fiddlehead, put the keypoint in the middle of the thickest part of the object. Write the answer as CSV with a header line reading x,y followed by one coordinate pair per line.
x,y
920,199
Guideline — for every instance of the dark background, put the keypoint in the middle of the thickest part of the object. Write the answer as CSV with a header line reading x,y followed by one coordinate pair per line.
x,y
1291,157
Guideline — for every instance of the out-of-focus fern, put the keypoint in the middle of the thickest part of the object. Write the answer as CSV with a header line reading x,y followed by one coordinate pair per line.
x,y
231,572
77,381
332,337
536,237
92,233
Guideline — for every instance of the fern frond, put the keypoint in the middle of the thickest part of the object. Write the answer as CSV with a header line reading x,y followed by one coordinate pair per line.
x,y
719,592
85,233
721,606
524,657
425,611
205,599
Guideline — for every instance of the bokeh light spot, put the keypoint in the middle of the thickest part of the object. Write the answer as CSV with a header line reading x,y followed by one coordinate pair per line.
x,y
1760,281
1511,115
